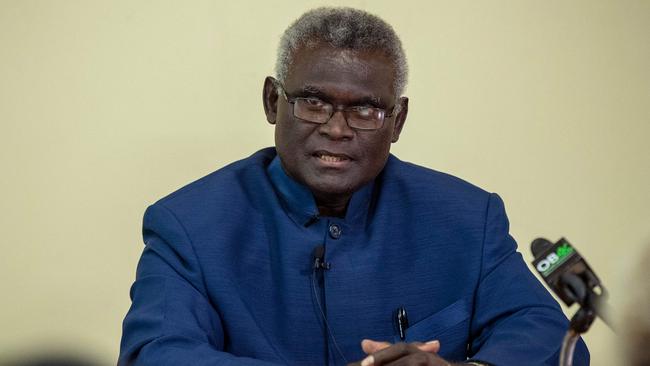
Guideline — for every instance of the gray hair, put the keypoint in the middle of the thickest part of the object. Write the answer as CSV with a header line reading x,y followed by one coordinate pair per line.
x,y
344,28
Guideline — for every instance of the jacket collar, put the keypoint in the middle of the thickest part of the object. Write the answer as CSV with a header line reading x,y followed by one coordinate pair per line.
x,y
300,204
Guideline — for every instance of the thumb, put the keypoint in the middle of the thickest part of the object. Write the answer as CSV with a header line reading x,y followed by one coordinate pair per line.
x,y
431,346
369,346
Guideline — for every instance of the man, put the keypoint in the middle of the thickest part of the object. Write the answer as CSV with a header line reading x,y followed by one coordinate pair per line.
x,y
327,249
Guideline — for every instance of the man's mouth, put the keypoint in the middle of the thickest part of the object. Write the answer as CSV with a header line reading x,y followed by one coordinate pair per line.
x,y
331,157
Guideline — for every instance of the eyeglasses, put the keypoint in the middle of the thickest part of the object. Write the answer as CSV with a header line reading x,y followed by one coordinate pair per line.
x,y
315,110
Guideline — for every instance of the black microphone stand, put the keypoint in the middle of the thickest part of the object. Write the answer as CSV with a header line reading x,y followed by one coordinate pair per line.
x,y
579,324
591,305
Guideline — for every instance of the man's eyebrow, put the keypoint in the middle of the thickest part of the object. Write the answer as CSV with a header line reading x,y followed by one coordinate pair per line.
x,y
311,89
372,100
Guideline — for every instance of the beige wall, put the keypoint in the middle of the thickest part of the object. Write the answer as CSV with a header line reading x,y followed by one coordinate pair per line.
x,y
105,106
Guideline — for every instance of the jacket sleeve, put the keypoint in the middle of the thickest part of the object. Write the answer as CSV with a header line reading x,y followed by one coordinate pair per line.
x,y
171,321
516,321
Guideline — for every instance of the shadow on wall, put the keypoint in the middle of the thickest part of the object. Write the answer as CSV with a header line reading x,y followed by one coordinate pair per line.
x,y
636,318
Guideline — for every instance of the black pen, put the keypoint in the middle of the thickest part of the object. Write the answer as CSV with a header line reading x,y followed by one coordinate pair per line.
x,y
402,321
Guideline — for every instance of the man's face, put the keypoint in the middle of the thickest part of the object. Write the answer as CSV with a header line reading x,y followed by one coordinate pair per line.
x,y
332,159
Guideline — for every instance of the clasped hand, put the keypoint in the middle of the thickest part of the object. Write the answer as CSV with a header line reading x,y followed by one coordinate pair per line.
x,y
416,353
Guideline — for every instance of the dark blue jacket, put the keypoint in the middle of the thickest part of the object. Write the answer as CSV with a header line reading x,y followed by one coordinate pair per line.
x,y
226,274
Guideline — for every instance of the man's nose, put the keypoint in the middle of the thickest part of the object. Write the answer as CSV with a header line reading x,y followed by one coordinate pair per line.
x,y
337,127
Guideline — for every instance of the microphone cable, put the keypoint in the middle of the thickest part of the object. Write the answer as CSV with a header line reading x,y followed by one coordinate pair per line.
x,y
318,265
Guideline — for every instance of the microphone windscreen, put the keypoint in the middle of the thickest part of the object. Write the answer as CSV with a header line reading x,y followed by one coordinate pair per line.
x,y
319,252
539,246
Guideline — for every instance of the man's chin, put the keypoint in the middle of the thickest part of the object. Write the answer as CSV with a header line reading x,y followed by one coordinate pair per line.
x,y
333,190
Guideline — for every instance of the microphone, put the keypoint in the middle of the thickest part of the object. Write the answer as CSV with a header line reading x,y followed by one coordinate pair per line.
x,y
569,275
318,256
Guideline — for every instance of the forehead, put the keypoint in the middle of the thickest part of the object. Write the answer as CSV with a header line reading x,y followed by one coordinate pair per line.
x,y
342,73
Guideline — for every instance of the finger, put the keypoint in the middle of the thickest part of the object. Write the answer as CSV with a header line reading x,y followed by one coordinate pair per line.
x,y
389,354
369,346
431,346
420,358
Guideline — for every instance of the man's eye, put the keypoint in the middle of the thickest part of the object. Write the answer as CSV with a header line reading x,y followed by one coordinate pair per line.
x,y
364,112
313,102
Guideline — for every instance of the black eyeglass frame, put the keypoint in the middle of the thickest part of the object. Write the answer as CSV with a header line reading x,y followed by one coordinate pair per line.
x,y
385,114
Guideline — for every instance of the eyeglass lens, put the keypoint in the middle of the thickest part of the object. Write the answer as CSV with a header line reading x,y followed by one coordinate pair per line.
x,y
365,118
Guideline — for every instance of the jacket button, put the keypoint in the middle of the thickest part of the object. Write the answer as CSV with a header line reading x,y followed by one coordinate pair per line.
x,y
335,231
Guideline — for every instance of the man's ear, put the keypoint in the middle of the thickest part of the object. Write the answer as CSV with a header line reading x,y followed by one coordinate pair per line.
x,y
270,99
400,118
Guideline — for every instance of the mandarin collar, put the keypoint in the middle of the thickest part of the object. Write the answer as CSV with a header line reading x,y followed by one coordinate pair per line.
x,y
300,204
